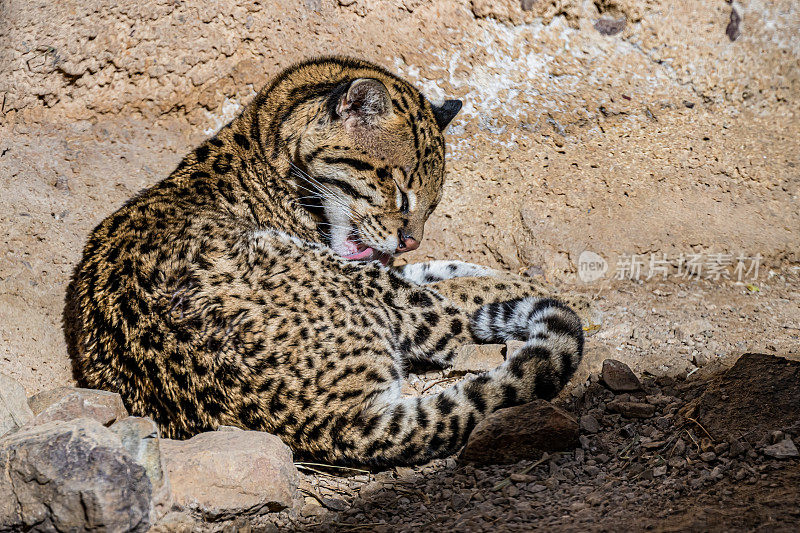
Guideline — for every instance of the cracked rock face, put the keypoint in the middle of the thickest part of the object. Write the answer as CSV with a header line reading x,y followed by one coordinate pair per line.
x,y
140,438
14,410
43,489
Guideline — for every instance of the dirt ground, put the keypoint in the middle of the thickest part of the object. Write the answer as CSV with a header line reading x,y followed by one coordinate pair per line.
x,y
677,137
701,458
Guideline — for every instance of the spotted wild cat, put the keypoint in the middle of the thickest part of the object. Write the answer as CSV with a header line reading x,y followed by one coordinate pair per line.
x,y
253,287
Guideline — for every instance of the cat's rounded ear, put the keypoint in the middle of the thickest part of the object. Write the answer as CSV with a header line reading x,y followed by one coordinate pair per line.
x,y
366,100
446,112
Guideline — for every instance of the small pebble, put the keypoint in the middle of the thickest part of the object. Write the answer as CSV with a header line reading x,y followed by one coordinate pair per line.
x,y
708,457
676,462
589,424
680,447
591,470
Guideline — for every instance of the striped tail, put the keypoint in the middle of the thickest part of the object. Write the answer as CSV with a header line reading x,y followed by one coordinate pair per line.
x,y
402,430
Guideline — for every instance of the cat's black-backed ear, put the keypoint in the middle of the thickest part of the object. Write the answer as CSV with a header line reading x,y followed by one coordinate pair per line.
x,y
365,100
446,112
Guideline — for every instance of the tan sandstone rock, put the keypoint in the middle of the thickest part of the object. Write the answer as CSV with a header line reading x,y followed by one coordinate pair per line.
x,y
512,346
220,474
478,358
67,403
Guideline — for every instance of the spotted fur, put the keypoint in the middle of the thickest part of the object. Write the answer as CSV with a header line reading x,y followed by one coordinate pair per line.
x,y
221,295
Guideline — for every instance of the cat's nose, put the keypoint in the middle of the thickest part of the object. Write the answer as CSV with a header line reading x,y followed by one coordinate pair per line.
x,y
406,242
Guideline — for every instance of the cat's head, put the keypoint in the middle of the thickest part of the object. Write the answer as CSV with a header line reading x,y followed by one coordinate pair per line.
x,y
371,157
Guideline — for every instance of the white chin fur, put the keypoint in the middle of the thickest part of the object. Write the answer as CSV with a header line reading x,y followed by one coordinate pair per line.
x,y
339,229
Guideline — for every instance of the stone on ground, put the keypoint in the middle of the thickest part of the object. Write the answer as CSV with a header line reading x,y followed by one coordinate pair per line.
x,y
222,474
760,393
140,438
14,410
632,409
67,403
521,432
784,449
589,424
478,358
71,476
619,377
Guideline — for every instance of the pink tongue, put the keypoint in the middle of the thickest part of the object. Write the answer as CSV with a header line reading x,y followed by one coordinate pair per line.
x,y
366,253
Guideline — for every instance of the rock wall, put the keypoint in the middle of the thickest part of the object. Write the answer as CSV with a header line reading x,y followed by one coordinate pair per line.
x,y
617,126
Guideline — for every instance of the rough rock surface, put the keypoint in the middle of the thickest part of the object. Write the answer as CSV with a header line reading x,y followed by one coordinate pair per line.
x,y
759,394
67,403
140,439
522,432
14,410
619,377
221,474
784,449
71,476
478,358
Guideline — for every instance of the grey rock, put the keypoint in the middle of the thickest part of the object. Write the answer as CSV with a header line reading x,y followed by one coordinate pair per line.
x,y
71,476
619,377
592,470
737,448
784,449
14,410
140,438
680,447
68,403
708,457
589,424
535,487
221,474
609,26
